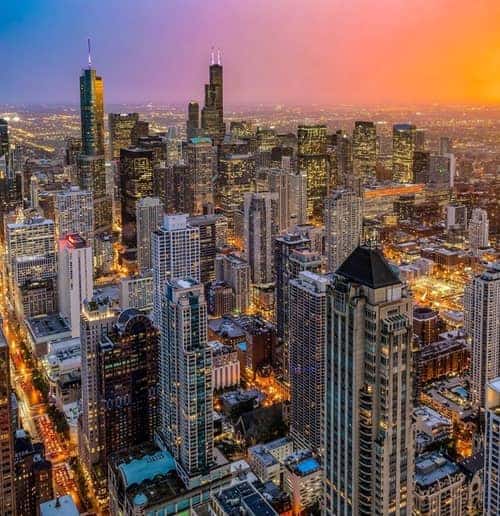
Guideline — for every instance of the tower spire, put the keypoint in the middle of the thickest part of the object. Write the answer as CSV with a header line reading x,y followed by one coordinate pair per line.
x,y
89,55
218,57
212,57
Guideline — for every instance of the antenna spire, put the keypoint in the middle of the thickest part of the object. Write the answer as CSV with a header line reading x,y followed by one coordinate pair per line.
x,y
218,57
212,57
90,55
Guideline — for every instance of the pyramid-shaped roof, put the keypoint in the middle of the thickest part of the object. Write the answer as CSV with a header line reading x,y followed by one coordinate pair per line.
x,y
367,266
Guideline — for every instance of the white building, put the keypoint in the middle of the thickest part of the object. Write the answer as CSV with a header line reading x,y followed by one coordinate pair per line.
x,y
175,251
343,226
75,281
492,449
225,367
148,213
260,227
479,227
235,271
74,213
482,326
456,217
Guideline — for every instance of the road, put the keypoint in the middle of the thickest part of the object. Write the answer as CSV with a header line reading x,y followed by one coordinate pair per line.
x,y
33,409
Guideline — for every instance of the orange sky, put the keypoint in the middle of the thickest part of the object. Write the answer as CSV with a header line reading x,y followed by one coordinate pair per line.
x,y
280,51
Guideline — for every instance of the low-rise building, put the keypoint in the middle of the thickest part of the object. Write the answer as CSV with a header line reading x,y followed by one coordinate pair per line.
x,y
267,459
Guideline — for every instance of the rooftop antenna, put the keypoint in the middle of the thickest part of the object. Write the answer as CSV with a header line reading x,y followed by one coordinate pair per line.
x,y
90,56
212,57
218,57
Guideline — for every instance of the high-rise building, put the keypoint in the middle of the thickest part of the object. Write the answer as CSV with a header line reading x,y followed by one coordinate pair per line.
x,y
186,404
403,147
367,425
91,173
343,226
235,271
120,127
421,166
419,140
148,215
91,176
202,165
478,230
31,258
127,383
193,120
260,227
4,137
456,217
482,326
136,176
492,449
97,319
175,252
207,225
341,162
92,112
313,163
307,335
364,150
7,489
71,151
74,213
33,474
445,145
212,114
75,282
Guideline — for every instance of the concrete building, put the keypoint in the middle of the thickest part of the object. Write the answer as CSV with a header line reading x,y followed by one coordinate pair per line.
x,y
491,449
482,326
148,215
260,227
186,391
75,278
235,271
307,304
226,366
175,251
478,230
136,292
343,226
74,213
368,439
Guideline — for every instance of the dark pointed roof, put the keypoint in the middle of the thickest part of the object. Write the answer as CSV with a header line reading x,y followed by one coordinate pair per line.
x,y
367,266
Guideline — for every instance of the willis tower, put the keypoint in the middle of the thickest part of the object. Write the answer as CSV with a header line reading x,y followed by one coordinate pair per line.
x,y
212,114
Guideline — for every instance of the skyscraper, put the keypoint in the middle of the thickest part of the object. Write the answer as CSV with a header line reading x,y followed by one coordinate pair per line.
x,y
367,426
343,226
91,164
127,383
193,120
403,147
478,230
482,326
492,449
364,150
4,137
92,112
175,254
212,114
313,163
235,271
344,174
202,166
260,227
148,214
207,224
120,127
97,319
307,334
136,176
75,282
7,492
186,410
74,213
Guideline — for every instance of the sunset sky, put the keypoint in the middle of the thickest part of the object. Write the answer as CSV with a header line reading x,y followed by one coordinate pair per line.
x,y
274,51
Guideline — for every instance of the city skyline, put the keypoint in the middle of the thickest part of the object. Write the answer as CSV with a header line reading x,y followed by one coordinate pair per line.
x,y
329,53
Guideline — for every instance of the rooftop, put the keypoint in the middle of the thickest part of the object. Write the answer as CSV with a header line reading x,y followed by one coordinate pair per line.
x,y
367,266
62,506
146,468
244,496
431,468
52,325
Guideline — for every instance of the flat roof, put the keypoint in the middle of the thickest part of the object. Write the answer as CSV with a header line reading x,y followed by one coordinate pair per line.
x,y
431,468
147,467
244,495
62,506
48,326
